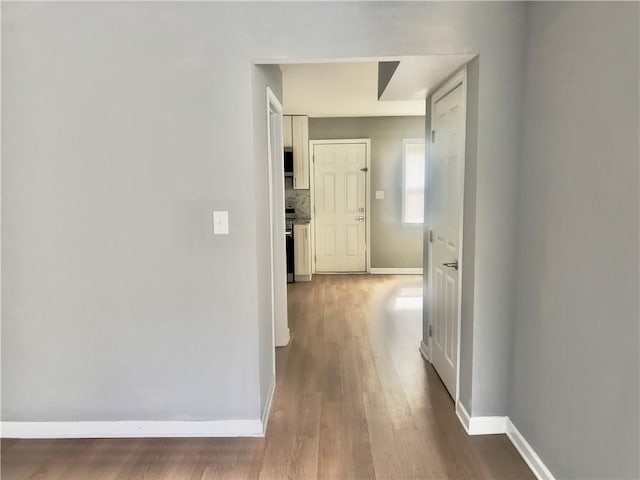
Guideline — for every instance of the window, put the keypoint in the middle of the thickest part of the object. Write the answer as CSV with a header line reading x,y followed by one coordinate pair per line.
x,y
413,180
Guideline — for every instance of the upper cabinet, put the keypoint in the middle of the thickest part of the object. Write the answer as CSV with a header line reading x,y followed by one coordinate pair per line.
x,y
296,136
286,126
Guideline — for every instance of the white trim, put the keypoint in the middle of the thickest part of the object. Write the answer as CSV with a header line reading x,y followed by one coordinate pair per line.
x,y
527,453
424,351
487,425
458,78
480,425
285,342
463,415
396,271
133,429
502,425
267,406
273,104
367,142
294,61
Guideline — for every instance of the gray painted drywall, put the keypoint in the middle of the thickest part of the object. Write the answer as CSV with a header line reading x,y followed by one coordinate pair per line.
x,y
120,136
468,242
124,126
263,76
393,245
484,364
574,384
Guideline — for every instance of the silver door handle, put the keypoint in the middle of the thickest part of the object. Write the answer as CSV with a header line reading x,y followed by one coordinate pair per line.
x,y
359,219
453,265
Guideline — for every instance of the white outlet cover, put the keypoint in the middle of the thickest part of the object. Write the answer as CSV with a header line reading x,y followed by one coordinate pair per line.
x,y
379,194
221,223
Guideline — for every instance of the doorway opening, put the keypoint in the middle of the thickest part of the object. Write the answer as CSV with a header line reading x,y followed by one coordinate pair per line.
x,y
377,190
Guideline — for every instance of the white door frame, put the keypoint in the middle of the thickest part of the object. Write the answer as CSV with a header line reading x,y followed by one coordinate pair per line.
x,y
279,326
459,78
367,235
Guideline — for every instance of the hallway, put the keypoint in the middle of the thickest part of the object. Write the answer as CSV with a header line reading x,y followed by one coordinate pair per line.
x,y
354,399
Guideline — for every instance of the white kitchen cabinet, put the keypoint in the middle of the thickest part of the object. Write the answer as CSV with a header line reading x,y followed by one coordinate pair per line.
x,y
300,139
302,252
300,145
286,132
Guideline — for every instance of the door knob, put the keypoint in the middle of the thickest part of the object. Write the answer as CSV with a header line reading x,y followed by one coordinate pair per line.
x,y
453,265
359,219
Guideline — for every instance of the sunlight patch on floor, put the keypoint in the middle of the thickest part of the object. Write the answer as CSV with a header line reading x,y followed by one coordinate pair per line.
x,y
408,303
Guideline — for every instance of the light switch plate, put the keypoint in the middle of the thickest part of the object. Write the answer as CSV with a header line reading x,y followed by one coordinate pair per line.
x,y
221,223
379,194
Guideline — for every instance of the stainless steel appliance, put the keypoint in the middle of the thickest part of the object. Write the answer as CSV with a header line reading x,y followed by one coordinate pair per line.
x,y
290,214
288,162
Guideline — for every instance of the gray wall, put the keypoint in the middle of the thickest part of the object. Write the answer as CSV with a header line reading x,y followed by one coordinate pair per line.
x,y
124,126
263,76
574,385
468,254
393,245
120,136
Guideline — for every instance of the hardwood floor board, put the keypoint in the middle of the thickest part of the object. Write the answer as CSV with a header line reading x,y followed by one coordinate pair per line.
x,y
354,400
304,455
344,449
102,460
391,448
239,460
26,456
145,454
6,444
277,455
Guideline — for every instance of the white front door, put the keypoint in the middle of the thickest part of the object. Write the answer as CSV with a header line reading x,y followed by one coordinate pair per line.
x,y
340,200
445,188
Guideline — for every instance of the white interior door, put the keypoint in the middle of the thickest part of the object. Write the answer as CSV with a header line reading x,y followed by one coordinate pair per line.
x,y
446,167
340,204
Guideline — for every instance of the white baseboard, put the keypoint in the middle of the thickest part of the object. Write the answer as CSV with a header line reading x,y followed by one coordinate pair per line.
x,y
285,341
133,429
487,425
527,453
267,406
463,415
493,425
396,271
480,425
424,351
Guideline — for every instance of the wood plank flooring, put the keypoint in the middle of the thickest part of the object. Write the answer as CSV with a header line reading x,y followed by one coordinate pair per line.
x,y
354,400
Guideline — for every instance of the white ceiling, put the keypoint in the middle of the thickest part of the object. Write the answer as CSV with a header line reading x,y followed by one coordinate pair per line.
x,y
417,77
351,89
339,90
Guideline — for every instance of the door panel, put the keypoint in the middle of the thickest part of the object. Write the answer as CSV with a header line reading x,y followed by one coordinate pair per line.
x,y
340,197
444,201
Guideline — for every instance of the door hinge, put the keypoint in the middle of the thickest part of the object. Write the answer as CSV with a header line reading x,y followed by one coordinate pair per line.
x,y
431,330
364,169
433,136
430,236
